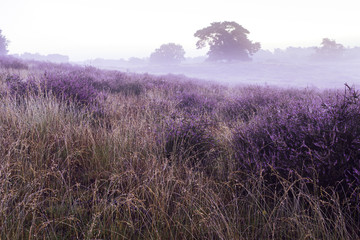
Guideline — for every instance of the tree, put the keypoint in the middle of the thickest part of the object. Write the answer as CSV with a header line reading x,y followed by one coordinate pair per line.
x,y
227,41
170,53
330,49
3,44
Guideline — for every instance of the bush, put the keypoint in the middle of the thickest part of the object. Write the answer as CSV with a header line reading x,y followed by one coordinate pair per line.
x,y
246,106
128,88
12,63
321,142
192,102
66,86
118,82
189,141
70,86
19,87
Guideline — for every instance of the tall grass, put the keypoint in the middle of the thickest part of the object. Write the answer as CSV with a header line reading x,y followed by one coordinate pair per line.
x,y
148,167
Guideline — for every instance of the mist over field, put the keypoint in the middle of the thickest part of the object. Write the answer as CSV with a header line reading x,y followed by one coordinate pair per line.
x,y
291,67
312,74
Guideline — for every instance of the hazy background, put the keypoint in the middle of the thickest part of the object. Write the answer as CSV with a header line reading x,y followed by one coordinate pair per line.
x,y
84,29
122,34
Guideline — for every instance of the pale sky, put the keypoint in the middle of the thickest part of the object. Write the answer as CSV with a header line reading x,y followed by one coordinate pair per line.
x,y
88,29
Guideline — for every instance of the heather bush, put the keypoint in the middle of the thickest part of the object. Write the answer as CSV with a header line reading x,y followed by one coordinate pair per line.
x,y
128,88
160,108
246,105
238,108
194,102
320,141
8,62
72,86
50,66
188,141
19,87
117,82
66,86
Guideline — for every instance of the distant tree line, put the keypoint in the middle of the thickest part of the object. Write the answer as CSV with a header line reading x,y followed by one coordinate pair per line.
x,y
168,54
227,42
329,50
57,58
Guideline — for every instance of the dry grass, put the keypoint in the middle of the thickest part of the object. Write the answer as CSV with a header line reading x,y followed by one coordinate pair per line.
x,y
65,174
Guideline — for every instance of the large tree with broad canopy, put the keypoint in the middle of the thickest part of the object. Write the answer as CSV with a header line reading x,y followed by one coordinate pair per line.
x,y
227,41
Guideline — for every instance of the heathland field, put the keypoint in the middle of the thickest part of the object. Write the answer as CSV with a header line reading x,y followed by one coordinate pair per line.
x,y
99,154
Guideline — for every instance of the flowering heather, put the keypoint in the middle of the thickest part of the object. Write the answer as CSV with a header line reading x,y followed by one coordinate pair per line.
x,y
66,86
194,102
72,86
19,87
246,105
8,62
173,158
320,141
189,141
127,88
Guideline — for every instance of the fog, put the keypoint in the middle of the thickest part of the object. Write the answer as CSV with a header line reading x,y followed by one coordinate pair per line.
x,y
122,36
113,29
293,67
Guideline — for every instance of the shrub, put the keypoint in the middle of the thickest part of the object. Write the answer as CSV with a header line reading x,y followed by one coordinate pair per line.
x,y
128,88
192,102
321,142
246,106
19,87
118,82
66,86
189,141
12,63
238,109
71,86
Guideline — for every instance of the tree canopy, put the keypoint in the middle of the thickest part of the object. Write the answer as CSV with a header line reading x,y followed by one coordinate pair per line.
x,y
227,41
170,53
330,49
3,44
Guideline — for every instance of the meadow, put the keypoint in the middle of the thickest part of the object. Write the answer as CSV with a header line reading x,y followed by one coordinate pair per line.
x,y
99,154
287,72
